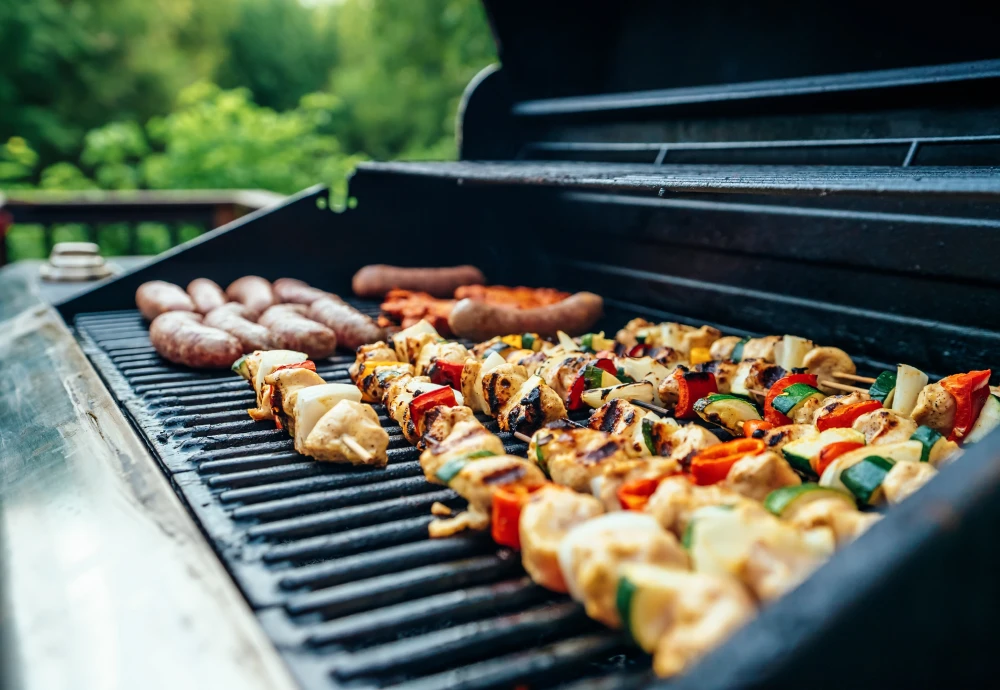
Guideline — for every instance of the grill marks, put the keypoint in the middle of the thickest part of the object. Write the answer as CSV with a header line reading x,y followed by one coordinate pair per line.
x,y
341,552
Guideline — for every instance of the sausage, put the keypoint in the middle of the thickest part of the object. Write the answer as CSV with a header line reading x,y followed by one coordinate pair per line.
x,y
353,328
232,318
376,280
290,290
157,296
252,291
181,338
293,331
206,295
479,321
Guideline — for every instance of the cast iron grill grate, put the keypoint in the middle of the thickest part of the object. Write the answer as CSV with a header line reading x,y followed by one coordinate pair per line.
x,y
336,561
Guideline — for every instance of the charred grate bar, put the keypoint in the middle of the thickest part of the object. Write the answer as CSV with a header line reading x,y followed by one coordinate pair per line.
x,y
335,560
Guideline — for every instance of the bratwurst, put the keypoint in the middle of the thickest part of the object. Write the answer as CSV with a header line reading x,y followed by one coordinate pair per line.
x,y
353,328
376,280
253,292
232,318
180,337
293,331
206,295
480,321
290,290
157,296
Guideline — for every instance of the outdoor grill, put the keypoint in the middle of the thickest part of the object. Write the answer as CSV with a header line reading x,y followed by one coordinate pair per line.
x,y
832,172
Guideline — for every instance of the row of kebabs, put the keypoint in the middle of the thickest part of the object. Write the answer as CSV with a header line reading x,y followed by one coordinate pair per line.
x,y
749,527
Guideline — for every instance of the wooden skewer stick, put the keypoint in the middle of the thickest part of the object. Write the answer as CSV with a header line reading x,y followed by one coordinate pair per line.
x,y
841,387
650,406
853,377
357,448
522,437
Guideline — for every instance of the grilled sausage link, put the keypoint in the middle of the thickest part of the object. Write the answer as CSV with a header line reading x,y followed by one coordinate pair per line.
x,y
293,331
376,280
157,296
232,318
479,321
290,290
353,328
252,291
181,338
206,295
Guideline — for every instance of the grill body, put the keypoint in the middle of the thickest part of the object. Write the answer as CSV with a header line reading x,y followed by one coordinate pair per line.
x,y
852,197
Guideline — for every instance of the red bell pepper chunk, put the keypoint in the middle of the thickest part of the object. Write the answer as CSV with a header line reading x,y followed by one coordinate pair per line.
x,y
425,401
844,416
692,386
575,401
752,425
308,364
832,452
447,373
637,351
772,415
607,365
712,465
970,391
634,495
506,514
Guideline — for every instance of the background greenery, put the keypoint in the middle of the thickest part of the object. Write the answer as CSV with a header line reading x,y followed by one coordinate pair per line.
x,y
202,94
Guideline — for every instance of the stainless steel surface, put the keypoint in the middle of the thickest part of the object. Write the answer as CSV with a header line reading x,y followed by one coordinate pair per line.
x,y
105,581
27,274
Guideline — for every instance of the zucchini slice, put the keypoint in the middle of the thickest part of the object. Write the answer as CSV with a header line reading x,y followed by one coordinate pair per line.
x,y
903,451
865,478
883,388
909,382
644,598
242,367
928,437
793,397
727,411
781,501
596,342
802,454
595,377
595,397
737,355
989,419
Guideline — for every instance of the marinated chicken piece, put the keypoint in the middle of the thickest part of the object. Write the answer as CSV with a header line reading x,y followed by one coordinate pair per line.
x,y
722,349
806,412
884,426
471,388
775,439
676,498
593,552
285,386
627,335
846,521
574,456
935,408
724,371
477,482
398,397
622,419
531,361
605,487
755,476
761,348
409,342
669,388
905,478
376,352
776,567
686,338
835,402
499,386
686,442
827,361
533,405
446,351
561,371
349,432
549,514
943,452
660,433
667,356
754,374
450,433
696,613
375,382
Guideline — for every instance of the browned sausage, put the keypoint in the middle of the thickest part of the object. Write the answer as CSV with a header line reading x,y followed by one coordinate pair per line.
x,y
253,292
376,280
479,321
232,318
156,297
206,295
181,338
293,331
290,290
353,328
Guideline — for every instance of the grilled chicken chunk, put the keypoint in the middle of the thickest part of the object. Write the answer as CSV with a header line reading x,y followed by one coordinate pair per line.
x,y
835,402
546,518
827,361
285,386
622,419
499,386
846,521
724,371
935,408
593,552
761,348
806,412
722,349
446,351
668,389
376,352
561,371
350,432
398,396
686,442
754,373
627,335
884,426
605,487
410,341
375,382
477,482
450,433
775,439
573,456
905,478
676,498
533,405
755,476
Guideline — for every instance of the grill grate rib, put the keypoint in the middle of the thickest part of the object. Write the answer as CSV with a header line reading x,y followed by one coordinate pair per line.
x,y
336,559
